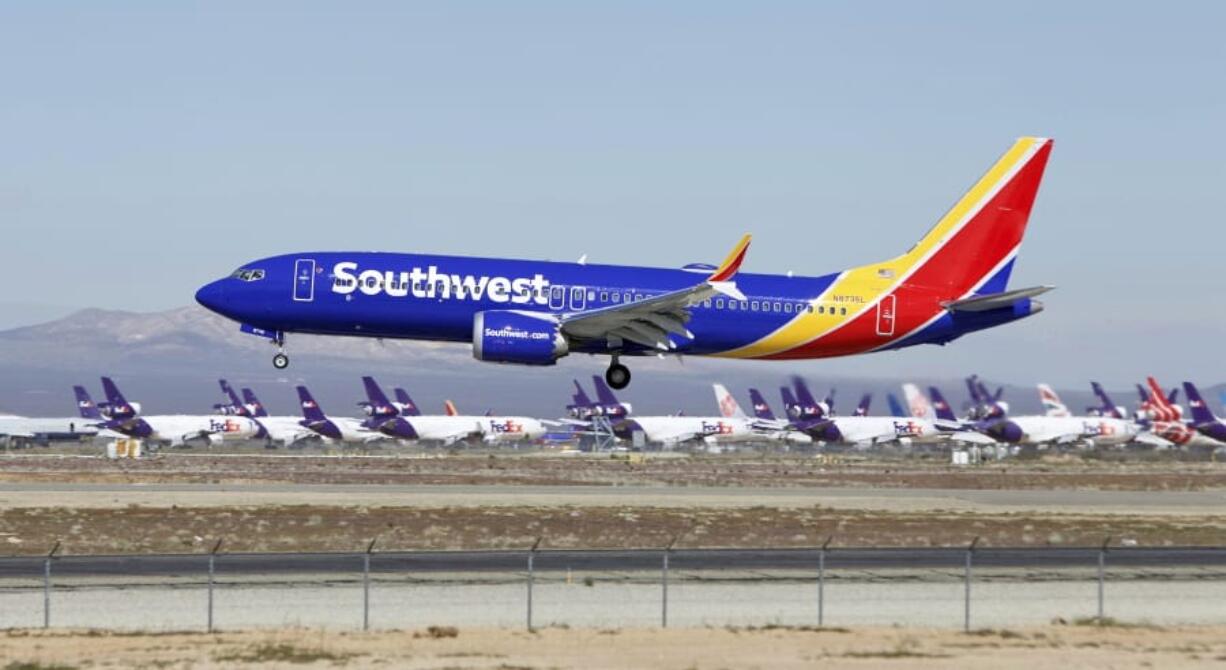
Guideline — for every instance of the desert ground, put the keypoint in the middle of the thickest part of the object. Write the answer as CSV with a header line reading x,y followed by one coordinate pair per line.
x,y
1080,646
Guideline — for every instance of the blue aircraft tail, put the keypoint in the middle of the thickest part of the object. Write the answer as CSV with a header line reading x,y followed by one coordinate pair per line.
x,y
85,404
408,407
580,397
310,409
1200,410
939,406
604,394
1107,408
760,408
866,401
236,406
380,406
120,409
791,408
896,408
257,407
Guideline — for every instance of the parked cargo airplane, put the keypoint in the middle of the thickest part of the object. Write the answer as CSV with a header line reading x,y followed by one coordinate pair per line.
x,y
124,417
288,430
952,282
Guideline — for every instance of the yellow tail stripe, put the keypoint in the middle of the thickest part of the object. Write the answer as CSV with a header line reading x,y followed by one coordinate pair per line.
x,y
861,287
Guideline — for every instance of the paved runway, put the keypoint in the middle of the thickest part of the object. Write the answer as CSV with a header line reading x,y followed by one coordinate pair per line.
x,y
610,561
901,500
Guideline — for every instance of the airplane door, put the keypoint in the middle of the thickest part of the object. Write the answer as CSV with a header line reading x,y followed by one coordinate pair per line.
x,y
885,316
557,297
578,297
304,279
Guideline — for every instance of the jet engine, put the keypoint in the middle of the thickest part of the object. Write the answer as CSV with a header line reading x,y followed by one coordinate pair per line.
x,y
525,338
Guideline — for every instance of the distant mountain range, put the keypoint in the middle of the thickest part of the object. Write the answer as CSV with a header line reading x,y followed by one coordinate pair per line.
x,y
170,361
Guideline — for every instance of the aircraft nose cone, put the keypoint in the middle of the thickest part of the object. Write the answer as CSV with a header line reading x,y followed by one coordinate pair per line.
x,y
212,296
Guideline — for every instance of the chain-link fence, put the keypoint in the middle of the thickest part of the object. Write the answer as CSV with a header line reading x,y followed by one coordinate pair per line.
x,y
974,586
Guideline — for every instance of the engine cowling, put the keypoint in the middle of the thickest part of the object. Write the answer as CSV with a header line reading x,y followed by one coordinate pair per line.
x,y
525,338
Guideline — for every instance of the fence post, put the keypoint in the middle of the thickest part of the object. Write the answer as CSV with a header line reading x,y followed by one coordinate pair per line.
x,y
821,581
47,584
970,551
668,549
370,548
212,572
531,578
1102,569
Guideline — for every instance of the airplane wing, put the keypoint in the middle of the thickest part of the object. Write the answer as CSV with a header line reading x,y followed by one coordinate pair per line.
x,y
971,437
650,321
1152,440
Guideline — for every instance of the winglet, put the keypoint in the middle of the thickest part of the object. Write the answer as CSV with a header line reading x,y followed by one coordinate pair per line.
x,y
727,269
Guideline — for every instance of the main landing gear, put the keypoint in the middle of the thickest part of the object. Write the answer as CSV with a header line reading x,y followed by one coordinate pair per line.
x,y
618,375
280,361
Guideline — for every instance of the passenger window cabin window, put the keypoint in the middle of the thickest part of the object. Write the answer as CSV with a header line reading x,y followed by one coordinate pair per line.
x,y
754,305
843,311
744,306
591,295
707,303
778,307
821,309
604,296
719,303
787,307
617,297
732,304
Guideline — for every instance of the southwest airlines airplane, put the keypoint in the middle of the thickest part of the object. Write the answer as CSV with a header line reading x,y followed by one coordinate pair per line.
x,y
952,282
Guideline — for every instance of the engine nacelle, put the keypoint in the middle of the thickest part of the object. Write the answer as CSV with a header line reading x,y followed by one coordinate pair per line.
x,y
525,338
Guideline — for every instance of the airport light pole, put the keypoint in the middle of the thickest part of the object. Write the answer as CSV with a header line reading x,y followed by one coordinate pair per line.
x,y
668,549
47,584
821,581
1102,570
970,552
370,549
212,573
531,577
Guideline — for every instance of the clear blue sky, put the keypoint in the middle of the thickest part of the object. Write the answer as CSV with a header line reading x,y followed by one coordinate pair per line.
x,y
149,147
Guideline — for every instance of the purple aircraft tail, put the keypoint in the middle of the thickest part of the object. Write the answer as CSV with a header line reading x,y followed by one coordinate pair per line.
x,y
408,407
896,408
120,409
604,394
580,396
791,408
1200,410
235,407
808,402
760,408
253,404
942,409
380,406
866,401
310,409
1108,408
85,404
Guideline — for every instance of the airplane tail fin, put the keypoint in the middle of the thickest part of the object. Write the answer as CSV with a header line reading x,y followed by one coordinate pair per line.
x,y
1107,407
120,408
310,409
407,406
236,406
379,404
604,394
791,408
85,404
450,408
972,247
920,407
760,408
866,401
895,406
939,406
1052,405
253,403
580,396
729,408
1200,409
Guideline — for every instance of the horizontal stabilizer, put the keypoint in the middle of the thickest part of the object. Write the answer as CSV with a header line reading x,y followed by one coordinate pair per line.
x,y
983,303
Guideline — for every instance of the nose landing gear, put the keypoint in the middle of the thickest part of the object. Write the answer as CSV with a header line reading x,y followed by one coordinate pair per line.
x,y
618,375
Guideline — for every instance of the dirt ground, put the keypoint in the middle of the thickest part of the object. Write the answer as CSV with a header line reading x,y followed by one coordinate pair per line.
x,y
1077,646
1057,472
343,528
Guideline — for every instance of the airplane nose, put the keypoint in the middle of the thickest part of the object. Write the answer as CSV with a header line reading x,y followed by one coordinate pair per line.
x,y
212,296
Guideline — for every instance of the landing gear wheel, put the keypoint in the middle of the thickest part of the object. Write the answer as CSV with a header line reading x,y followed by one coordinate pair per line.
x,y
280,361
618,376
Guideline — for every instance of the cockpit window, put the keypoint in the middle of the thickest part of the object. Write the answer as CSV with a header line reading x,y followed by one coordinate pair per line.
x,y
248,274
